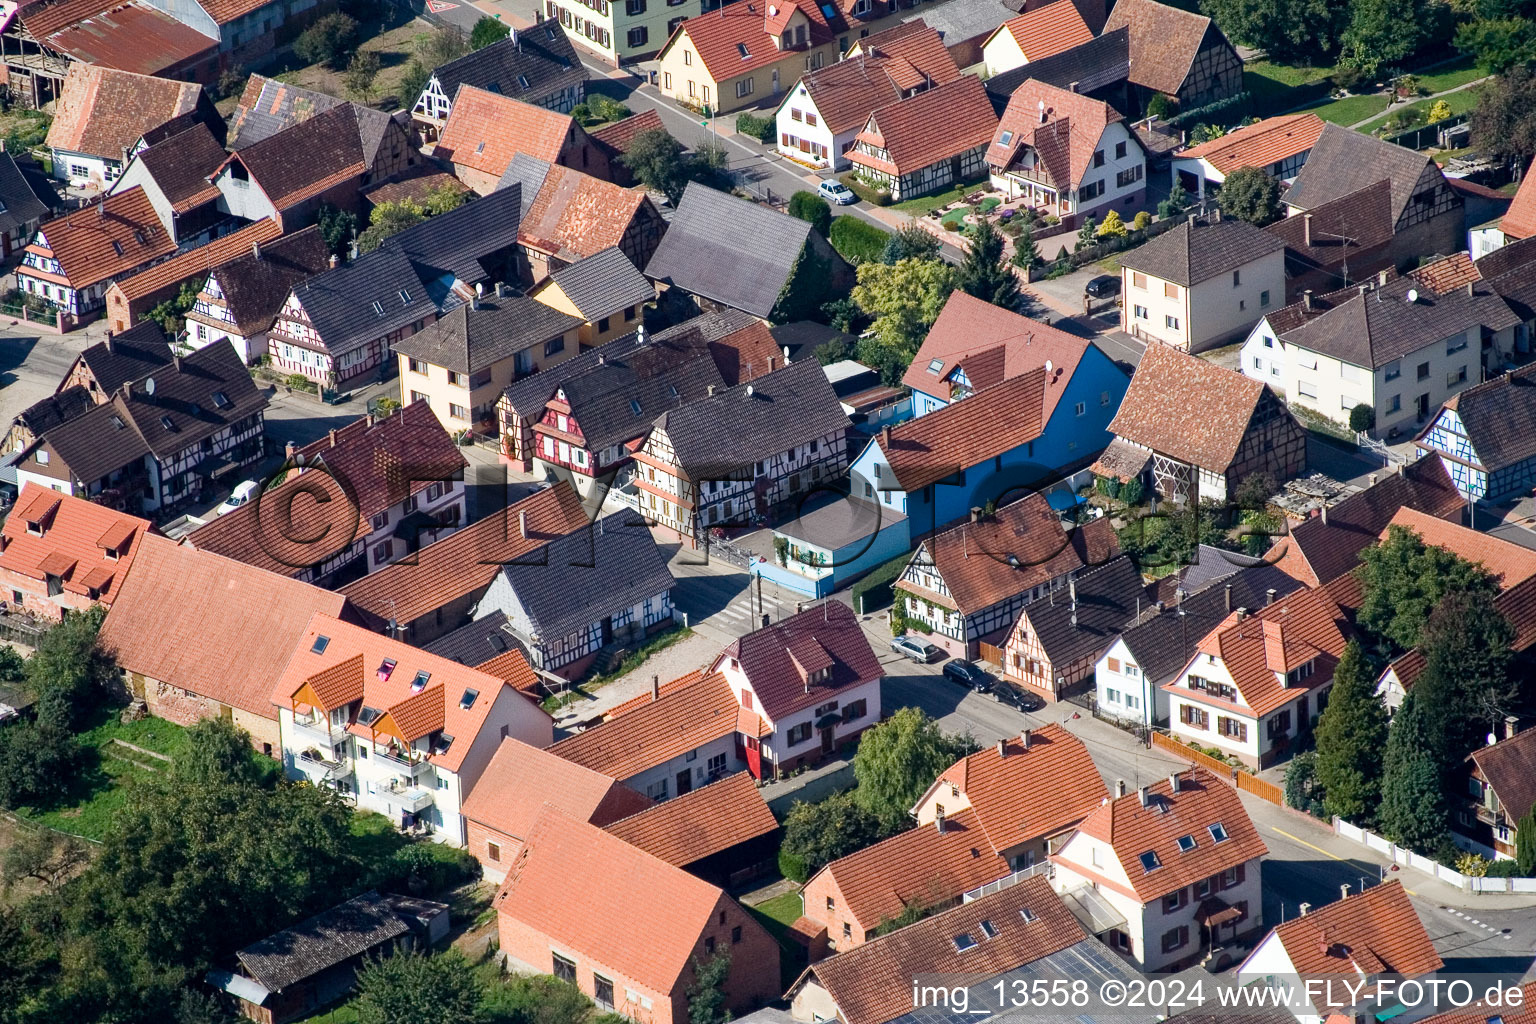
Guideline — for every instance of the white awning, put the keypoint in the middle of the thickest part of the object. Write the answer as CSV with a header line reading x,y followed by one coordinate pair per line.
x,y
238,985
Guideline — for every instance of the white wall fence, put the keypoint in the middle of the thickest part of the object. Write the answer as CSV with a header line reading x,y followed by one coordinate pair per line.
x,y
1008,881
1407,858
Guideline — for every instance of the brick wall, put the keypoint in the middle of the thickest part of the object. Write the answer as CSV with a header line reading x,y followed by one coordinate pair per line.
x,y
818,890
35,599
477,836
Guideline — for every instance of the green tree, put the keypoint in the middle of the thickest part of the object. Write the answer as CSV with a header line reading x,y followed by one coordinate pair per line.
x,y
1402,580
1362,417
389,218
1113,226
1302,790
1467,682
1350,736
487,30
199,1007
1414,811
362,71
1162,106
171,314
903,299
1381,33
1525,843
911,243
898,759
984,273
1289,31
38,763
656,160
1504,119
706,996
1026,253
811,208
1255,490
329,41
410,988
1499,44
71,665
1250,194
539,999
808,288
841,315
43,856
443,198
815,834
337,227
1439,111
413,79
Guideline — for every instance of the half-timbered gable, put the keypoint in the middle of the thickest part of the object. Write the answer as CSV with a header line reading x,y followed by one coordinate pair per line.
x,y
241,299
536,65
1486,438
1054,644
922,143
1177,53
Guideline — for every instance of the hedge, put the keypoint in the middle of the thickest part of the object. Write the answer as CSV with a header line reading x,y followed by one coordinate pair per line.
x,y
760,128
878,197
874,591
857,241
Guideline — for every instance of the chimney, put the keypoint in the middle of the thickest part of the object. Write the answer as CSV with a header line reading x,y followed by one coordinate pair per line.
x,y
335,261
767,620
655,687
176,362
1470,289
1304,908
1370,479
601,359
1229,598
1306,240
1173,782
938,820
1363,289
290,450
1511,727
255,250
709,389
1344,891
1323,512
1242,613
771,361
1024,738
1381,278
885,438
1119,788
333,438
1002,748
1306,295
474,301
522,523
1072,591
1144,794
975,513
1072,86
110,347
1269,596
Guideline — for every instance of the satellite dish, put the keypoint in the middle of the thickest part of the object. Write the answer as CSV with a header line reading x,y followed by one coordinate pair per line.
x,y
1049,366
1413,295
149,386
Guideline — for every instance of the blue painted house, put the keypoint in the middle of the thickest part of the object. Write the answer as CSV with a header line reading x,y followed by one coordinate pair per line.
x,y
974,345
1486,437
1037,431
827,547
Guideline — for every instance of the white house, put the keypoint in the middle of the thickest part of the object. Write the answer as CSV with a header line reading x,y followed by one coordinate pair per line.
x,y
241,299
1178,864
398,730
1277,145
1037,33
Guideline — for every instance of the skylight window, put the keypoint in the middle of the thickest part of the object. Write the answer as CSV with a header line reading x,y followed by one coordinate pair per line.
x,y
386,669
741,48
165,421
522,81
117,247
963,942
405,296
1186,843
468,700
444,741
935,365
1149,861
1219,832
138,236
367,716
419,683
1029,916
320,644
378,309
634,406
220,400
480,146
117,422
1005,138
989,929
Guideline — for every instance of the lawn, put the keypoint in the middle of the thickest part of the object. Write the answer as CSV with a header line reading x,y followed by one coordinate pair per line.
x,y
1449,76
1459,102
1277,87
924,204
395,46
1351,109
777,915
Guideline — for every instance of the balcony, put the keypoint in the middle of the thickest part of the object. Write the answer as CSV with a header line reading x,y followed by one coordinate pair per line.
x,y
1489,816
315,732
318,768
413,799
394,763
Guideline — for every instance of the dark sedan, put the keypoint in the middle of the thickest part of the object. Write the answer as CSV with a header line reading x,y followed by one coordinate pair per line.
x,y
1015,697
969,675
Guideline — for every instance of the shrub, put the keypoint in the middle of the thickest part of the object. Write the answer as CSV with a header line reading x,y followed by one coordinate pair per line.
x,y
605,108
426,867
811,208
1131,492
329,41
1165,209
1052,220
1346,78
1141,220
870,194
951,225
760,128
856,240
874,591
1504,868
1440,111
1362,418
232,82
1162,106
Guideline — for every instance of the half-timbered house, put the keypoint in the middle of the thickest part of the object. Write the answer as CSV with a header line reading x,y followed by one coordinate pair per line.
x,y
1486,438
1178,53
72,260
1243,429
968,584
535,65
241,299
735,455
1053,646
923,143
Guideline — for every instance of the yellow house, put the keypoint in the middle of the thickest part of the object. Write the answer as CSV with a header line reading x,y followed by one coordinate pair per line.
x,y
751,52
604,291
461,364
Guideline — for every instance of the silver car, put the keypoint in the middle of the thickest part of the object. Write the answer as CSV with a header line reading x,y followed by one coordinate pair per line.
x,y
920,651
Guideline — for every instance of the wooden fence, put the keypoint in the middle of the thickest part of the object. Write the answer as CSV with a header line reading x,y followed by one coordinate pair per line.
x,y
990,653
1222,770
1260,788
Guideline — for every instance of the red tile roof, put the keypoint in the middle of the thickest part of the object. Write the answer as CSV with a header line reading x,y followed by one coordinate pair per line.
x,y
736,38
106,239
657,731
79,532
747,354
208,624
1168,384
933,126
676,908
1065,140
969,432
575,215
1259,145
1519,220
467,560
617,136
225,11
827,637
845,93
1512,563
485,130
103,112
196,262
699,824
443,705
1047,30
132,37
1482,1013
1026,793
972,333
973,558
522,780
1202,801
1447,274
872,983
1374,932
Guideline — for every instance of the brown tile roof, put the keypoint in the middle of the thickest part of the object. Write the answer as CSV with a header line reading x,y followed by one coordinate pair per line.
x,y
256,285
1509,766
738,37
872,983
699,824
973,558
225,11
182,165
934,125
1447,273
972,332
1519,221
617,137
1024,794
776,658
677,907
1065,142
209,624
1343,229
1202,801
662,689
845,93
1373,932
44,19
332,144
747,354
667,727
444,705
522,780
1255,646
921,867
485,131
1167,384
414,188
87,242
79,531
467,560
576,215
969,432
1512,563
1260,144
1164,41
199,261
267,106
1047,30
102,112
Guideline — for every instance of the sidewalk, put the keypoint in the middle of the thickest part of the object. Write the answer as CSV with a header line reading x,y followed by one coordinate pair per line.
x,y
690,653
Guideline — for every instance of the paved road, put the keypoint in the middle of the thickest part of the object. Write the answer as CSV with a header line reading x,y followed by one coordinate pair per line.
x,y
32,365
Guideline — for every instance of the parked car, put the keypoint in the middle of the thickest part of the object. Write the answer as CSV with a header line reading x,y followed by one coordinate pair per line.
x,y
1015,697
1104,286
968,674
243,494
836,192
920,651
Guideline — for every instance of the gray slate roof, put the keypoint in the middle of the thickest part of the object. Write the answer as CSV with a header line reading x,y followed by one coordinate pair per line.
x,y
1194,252
1345,161
1380,325
1106,603
357,926
19,203
476,642
604,284
528,172
455,242
619,398
1511,271
127,356
959,20
716,436
469,339
1499,417
729,250
575,580
541,55
1102,60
